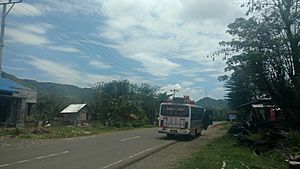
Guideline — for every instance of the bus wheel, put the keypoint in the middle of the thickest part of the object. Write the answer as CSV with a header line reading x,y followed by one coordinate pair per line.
x,y
199,134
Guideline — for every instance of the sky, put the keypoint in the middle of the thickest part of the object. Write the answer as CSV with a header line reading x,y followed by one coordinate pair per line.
x,y
161,42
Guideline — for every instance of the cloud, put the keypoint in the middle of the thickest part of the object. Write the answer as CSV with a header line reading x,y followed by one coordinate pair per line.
x,y
14,68
99,64
157,66
194,93
67,49
73,8
164,38
62,73
25,9
26,37
167,30
217,92
36,34
58,72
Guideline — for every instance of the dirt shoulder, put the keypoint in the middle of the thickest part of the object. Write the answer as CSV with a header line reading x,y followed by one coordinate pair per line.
x,y
171,156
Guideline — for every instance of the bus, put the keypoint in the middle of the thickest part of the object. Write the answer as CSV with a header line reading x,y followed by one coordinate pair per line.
x,y
183,118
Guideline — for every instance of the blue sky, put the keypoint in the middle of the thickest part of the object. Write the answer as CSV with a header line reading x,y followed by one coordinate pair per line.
x,y
161,42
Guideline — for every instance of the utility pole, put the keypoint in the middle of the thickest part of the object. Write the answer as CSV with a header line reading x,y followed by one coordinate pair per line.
x,y
4,14
174,91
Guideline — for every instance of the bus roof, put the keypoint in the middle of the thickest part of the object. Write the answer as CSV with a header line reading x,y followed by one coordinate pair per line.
x,y
182,104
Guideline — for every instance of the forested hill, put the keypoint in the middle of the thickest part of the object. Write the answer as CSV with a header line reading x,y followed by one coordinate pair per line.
x,y
209,103
219,107
48,88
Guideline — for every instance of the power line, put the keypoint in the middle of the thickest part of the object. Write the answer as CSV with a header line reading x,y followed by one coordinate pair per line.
x,y
89,46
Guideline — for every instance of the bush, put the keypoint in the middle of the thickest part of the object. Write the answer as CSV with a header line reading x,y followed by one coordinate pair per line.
x,y
294,142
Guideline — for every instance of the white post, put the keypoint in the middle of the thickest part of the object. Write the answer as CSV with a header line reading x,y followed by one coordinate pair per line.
x,y
2,36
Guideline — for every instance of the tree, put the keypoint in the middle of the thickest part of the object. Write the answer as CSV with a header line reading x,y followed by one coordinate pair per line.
x,y
264,55
115,101
147,100
48,106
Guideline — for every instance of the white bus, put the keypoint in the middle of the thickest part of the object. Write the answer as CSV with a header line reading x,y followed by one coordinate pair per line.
x,y
183,119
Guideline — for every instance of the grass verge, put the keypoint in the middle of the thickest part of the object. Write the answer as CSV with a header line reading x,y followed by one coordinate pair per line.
x,y
225,149
60,131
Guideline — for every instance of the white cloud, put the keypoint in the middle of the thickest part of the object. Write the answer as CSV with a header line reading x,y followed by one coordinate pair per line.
x,y
59,72
194,93
180,29
36,34
99,64
67,49
157,66
26,37
25,9
74,7
14,68
37,29
62,73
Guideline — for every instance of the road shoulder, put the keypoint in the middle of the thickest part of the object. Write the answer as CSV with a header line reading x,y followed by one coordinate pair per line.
x,y
171,156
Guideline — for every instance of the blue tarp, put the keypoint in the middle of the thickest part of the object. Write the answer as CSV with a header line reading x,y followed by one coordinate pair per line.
x,y
9,86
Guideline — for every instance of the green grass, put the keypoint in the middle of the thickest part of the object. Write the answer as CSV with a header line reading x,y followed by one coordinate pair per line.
x,y
225,149
226,126
60,131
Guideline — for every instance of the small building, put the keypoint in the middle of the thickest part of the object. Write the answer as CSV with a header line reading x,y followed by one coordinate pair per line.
x,y
263,112
16,103
74,114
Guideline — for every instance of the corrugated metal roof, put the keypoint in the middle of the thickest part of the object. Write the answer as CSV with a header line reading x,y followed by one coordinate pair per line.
x,y
73,108
7,85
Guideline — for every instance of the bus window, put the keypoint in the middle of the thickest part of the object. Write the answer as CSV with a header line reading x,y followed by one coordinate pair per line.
x,y
175,110
197,113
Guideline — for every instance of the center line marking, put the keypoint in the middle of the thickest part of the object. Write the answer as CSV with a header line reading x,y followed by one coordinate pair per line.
x,y
36,158
132,156
130,138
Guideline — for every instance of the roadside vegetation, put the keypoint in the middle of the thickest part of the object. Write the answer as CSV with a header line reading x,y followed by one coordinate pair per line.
x,y
61,131
263,60
252,150
263,57
226,152
114,104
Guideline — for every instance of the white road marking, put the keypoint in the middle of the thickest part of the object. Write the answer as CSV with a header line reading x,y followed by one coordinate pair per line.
x,y
134,155
114,163
130,138
36,158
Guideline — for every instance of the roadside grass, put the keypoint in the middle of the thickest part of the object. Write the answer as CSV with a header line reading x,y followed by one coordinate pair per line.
x,y
226,125
226,149
61,131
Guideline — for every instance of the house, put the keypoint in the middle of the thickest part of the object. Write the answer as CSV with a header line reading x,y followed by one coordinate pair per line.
x,y
74,114
263,112
16,103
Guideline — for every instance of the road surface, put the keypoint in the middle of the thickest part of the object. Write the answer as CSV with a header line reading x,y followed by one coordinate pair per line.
x,y
102,151
110,150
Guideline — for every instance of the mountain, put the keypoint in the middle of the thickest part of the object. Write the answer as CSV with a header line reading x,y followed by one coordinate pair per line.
x,y
219,107
209,103
59,90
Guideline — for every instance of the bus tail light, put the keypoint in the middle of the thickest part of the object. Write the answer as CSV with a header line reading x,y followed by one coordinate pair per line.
x,y
161,123
186,125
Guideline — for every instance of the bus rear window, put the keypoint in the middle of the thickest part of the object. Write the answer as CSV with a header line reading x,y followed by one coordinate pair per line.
x,y
175,110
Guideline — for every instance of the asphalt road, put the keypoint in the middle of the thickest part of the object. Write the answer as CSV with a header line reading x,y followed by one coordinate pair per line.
x,y
103,151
